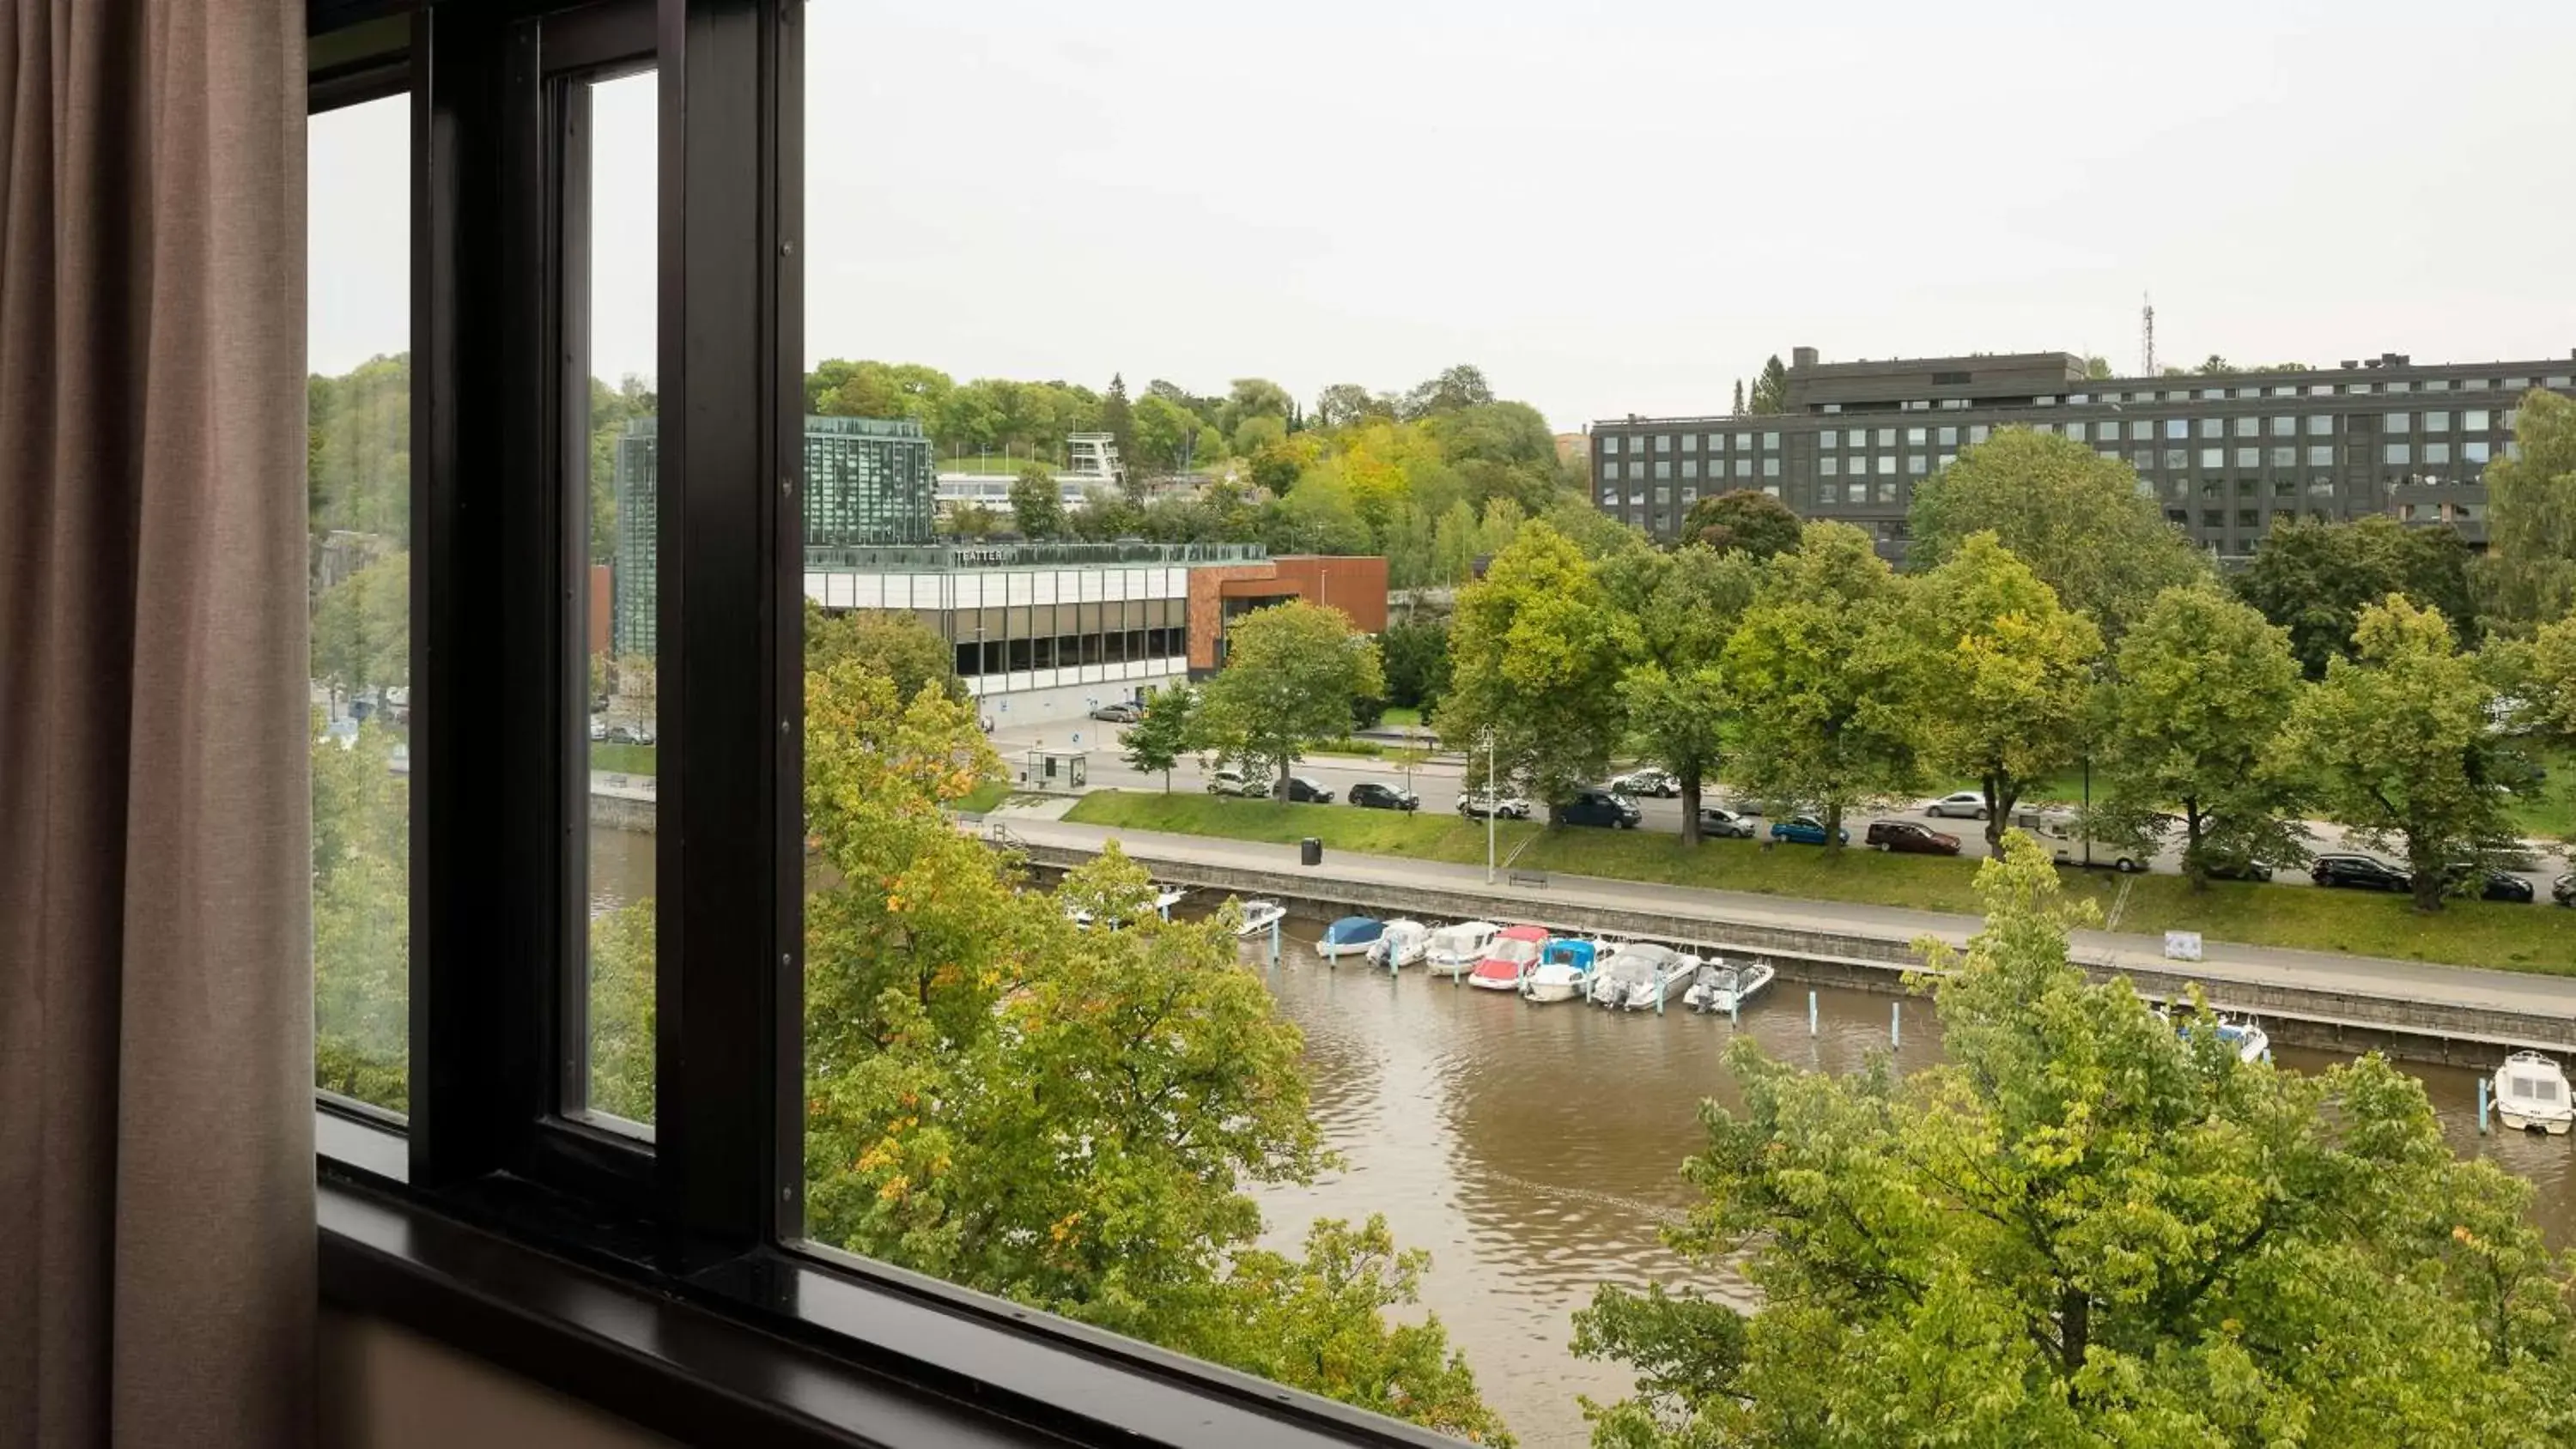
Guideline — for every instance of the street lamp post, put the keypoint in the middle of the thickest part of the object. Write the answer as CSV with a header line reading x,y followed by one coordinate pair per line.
x,y
1493,805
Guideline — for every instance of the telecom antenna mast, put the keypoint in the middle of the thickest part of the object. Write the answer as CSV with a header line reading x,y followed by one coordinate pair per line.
x,y
2146,336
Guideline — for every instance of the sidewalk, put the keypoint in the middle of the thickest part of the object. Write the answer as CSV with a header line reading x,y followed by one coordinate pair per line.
x,y
2459,987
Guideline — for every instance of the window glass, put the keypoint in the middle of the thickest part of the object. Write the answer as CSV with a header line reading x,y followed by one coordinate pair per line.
x,y
2285,427
2320,424
2141,429
1917,464
358,578
1887,462
2213,457
2437,453
2177,427
2437,422
2213,427
1610,443
2475,420
2397,453
1663,442
2321,455
618,671
2249,457
1771,467
1690,467
2284,456
2475,451
1743,467
2177,458
2248,426
1915,437
1771,440
1887,437
1663,467
1978,432
1690,442
1828,466
2437,384
1950,436
1610,469
1743,442
2396,423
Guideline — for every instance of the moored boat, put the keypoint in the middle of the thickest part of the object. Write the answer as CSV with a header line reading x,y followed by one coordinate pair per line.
x,y
1564,968
1641,976
2531,1094
1726,985
1513,952
1404,944
1455,950
1260,916
1349,936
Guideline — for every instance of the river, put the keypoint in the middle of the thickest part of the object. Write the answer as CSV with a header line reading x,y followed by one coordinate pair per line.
x,y
1534,1150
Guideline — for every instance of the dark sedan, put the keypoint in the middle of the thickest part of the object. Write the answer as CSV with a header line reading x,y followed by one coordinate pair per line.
x,y
1370,795
1907,838
2359,872
2236,867
2493,885
1307,790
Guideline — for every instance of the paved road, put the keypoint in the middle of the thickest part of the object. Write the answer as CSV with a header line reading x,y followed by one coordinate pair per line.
x,y
1438,783
2223,963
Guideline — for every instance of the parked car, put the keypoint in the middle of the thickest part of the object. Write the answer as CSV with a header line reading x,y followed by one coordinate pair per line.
x,y
1724,824
2491,885
1958,805
1118,712
2235,867
1591,806
1907,838
1477,804
598,729
1370,795
2563,890
2510,854
1648,780
1231,781
1307,790
2360,872
1806,830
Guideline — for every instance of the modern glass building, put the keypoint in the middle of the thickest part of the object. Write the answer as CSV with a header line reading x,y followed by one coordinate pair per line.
x,y
2226,456
868,483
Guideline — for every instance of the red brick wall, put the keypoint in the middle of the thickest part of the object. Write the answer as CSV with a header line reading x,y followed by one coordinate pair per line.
x,y
1207,607
1354,585
599,609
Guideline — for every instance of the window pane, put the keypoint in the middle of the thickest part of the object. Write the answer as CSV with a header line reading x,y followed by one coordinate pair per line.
x,y
622,605
358,334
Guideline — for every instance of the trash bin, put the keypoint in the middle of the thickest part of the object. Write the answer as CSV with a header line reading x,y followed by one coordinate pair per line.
x,y
1310,851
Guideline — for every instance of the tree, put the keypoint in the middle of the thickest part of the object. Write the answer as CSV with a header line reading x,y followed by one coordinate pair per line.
x,y
1771,389
2396,745
2073,516
2530,569
361,918
1455,543
1814,666
1166,731
1407,546
1596,533
1167,437
1537,649
892,643
1317,516
2314,579
1291,672
1037,504
2214,365
2097,368
1118,419
1105,514
2086,1229
2203,691
1737,410
1743,519
1679,707
1345,403
1457,387
362,628
1254,397
971,520
1416,656
1503,521
1996,674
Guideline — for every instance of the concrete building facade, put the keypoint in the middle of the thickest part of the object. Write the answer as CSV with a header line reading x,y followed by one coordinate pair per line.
x,y
2227,457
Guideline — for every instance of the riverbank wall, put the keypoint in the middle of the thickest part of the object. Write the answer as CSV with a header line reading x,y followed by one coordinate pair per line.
x,y
2349,1022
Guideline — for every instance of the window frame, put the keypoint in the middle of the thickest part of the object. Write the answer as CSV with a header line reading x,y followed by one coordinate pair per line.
x,y
667,1280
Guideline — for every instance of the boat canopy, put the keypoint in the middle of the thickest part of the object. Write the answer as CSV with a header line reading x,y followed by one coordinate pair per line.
x,y
1565,951
1354,930
1642,962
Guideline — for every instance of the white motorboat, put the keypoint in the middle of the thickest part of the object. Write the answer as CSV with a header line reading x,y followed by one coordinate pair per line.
x,y
2531,1095
1726,986
1164,899
1404,944
1564,968
1641,976
1260,916
2252,1042
1455,950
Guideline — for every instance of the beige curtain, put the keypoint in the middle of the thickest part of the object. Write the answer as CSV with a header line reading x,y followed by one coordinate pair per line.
x,y
156,1168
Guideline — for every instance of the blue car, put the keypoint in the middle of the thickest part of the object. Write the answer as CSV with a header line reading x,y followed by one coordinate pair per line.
x,y
1807,830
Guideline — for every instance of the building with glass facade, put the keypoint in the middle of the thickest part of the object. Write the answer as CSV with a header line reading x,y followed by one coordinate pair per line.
x,y
2226,456
868,483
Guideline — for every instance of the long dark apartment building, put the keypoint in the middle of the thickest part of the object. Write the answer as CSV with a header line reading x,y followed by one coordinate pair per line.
x,y
2227,456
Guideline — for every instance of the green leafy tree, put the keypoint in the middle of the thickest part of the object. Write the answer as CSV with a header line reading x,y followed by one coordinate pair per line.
x,y
361,918
1345,403
1815,665
1537,649
1037,505
2084,1229
1291,672
1417,662
971,520
1679,706
1454,390
2203,691
894,644
2314,579
1455,543
2396,746
1118,419
362,628
1106,514
1996,674
2097,368
358,451
1737,410
2529,573
1164,733
1254,397
1500,525
1167,437
1742,519
1317,516
2073,516
620,1029
1598,535
1407,547
1771,389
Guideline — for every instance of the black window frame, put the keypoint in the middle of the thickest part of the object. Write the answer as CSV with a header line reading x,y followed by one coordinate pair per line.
x,y
665,1279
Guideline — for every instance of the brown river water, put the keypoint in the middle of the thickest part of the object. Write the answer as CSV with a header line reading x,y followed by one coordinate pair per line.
x,y
1533,1150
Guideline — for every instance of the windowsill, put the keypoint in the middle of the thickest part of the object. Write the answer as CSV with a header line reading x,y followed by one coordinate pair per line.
x,y
771,1347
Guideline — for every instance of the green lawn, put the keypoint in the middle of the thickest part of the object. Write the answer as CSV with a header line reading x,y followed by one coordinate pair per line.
x,y
1397,717
984,797
2552,812
2478,933
622,759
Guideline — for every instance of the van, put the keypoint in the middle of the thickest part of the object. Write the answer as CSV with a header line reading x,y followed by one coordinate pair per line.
x,y
1595,806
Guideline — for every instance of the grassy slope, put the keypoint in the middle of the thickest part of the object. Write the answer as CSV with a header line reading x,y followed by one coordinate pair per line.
x,y
2478,933
623,759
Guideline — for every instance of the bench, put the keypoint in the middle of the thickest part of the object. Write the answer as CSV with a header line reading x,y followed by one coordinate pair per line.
x,y
1537,878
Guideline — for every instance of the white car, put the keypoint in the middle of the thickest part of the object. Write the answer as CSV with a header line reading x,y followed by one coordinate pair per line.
x,y
1231,781
1476,804
1959,805
1648,780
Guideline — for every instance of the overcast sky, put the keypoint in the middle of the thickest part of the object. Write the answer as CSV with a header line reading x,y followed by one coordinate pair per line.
x,y
1615,208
